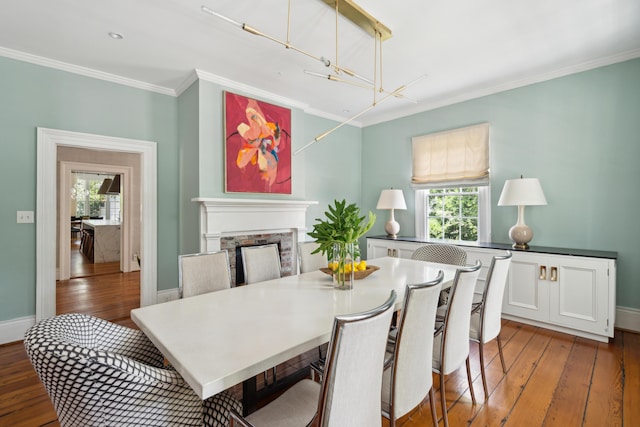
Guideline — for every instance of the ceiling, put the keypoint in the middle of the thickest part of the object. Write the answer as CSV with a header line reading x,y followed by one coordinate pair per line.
x,y
466,48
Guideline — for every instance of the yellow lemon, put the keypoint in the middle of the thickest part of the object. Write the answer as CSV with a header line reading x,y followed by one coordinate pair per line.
x,y
363,265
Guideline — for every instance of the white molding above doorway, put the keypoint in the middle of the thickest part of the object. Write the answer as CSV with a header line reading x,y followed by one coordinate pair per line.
x,y
48,142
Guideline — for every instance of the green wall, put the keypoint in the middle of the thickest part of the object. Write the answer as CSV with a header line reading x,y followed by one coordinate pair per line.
x,y
577,134
580,135
32,96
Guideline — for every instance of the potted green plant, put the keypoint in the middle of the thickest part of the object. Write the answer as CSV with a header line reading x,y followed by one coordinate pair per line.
x,y
337,236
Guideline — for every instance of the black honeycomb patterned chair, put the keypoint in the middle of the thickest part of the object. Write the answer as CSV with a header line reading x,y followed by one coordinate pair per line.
x,y
99,373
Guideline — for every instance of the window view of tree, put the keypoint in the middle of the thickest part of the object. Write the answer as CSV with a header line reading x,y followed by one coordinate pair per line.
x,y
87,201
453,213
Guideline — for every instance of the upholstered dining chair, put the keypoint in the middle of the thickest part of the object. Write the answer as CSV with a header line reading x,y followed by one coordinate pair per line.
x,y
309,261
451,340
260,263
99,373
408,380
443,254
349,394
203,272
486,319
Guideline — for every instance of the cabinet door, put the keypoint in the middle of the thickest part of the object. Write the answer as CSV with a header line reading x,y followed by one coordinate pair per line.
x,y
484,256
404,249
527,293
378,249
579,290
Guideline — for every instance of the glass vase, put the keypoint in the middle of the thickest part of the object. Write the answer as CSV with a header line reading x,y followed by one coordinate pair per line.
x,y
343,262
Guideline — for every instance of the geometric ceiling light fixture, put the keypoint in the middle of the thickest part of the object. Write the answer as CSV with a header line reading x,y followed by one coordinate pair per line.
x,y
362,19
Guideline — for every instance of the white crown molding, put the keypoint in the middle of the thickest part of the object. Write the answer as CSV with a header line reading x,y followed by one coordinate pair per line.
x,y
474,94
83,71
420,108
223,81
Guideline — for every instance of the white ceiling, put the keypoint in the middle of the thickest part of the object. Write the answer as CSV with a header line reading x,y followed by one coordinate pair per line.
x,y
467,48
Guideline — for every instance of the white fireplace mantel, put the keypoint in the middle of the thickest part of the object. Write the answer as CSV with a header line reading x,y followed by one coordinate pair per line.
x,y
227,217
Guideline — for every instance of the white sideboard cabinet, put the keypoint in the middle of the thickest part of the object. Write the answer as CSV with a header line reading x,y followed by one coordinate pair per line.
x,y
567,290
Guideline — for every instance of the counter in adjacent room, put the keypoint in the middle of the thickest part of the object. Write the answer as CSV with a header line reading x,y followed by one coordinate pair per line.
x,y
106,239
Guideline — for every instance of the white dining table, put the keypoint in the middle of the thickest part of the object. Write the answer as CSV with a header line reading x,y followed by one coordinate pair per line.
x,y
220,339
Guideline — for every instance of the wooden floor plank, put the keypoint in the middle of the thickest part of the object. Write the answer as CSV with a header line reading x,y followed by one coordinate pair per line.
x,y
531,408
631,400
501,401
604,405
570,399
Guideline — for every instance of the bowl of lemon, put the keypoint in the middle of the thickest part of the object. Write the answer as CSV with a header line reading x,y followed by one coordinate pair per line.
x,y
360,269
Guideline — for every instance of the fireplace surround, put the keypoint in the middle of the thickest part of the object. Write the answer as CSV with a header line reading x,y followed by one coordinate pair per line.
x,y
230,222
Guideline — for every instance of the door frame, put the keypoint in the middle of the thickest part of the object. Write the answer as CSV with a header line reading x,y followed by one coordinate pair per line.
x,y
48,141
64,225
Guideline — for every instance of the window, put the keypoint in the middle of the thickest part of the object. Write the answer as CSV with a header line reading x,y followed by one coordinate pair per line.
x,y
451,181
454,213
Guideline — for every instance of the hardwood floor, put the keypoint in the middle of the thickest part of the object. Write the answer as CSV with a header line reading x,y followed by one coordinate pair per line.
x,y
553,379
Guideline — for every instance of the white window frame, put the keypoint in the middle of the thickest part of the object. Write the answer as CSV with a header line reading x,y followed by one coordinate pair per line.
x,y
484,212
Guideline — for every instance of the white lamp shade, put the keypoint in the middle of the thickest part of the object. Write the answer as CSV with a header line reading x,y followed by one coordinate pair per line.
x,y
522,192
391,199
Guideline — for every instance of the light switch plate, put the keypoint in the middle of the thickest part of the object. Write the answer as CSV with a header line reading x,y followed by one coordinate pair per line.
x,y
24,217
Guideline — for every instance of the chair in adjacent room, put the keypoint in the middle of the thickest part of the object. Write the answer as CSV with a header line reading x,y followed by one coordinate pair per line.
x,y
408,379
309,261
443,254
451,337
100,373
260,263
486,320
349,394
203,272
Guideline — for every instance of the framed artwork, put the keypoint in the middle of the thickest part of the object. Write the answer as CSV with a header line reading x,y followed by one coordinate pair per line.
x,y
257,146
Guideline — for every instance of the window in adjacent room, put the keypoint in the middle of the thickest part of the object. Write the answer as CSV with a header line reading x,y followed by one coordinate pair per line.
x,y
451,182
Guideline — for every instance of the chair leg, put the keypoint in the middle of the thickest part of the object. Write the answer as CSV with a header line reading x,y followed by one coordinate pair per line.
x,y
473,395
443,402
482,372
504,367
432,404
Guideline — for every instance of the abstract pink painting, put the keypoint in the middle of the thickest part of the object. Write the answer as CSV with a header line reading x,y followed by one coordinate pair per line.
x,y
257,146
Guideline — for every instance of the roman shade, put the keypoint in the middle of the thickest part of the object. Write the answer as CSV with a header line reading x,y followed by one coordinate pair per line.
x,y
452,158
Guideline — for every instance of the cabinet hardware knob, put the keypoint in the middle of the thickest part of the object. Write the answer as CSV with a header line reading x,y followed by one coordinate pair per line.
x,y
395,253
543,272
554,274
388,251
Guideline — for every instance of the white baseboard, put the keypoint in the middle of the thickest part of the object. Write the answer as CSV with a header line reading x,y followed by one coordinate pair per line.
x,y
628,318
168,295
14,329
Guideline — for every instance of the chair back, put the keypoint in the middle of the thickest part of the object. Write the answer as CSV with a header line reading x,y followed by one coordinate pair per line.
x,y
260,263
203,272
455,336
350,392
441,253
491,306
409,379
307,260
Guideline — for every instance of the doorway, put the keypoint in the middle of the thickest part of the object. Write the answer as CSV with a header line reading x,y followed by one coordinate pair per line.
x,y
49,140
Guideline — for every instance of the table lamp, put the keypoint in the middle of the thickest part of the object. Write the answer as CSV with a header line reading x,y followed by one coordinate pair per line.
x,y
521,192
391,199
